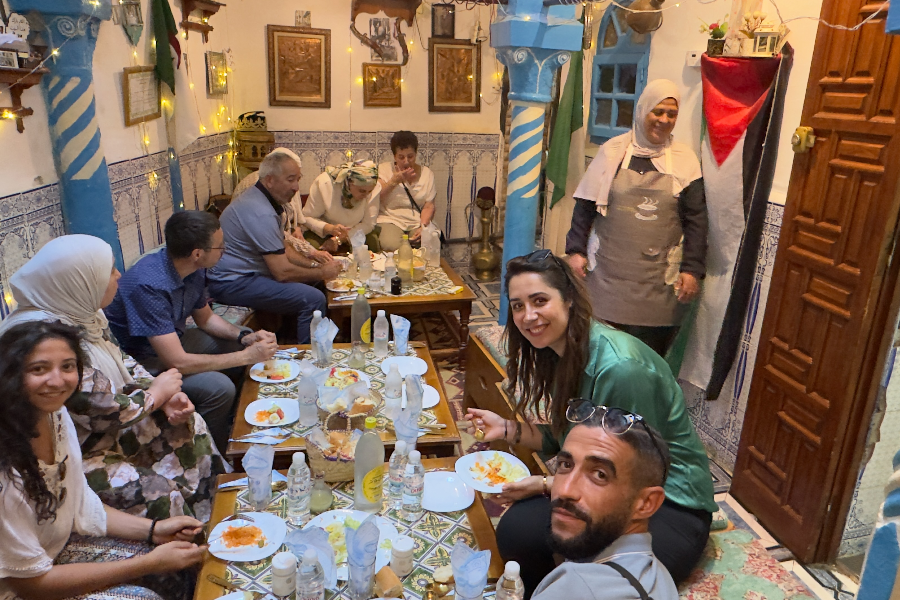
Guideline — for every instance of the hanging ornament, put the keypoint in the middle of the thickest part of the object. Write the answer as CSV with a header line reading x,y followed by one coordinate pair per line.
x,y
644,15
130,15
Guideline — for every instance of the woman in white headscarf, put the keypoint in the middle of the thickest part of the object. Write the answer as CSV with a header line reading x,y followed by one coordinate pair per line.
x,y
343,200
128,431
639,228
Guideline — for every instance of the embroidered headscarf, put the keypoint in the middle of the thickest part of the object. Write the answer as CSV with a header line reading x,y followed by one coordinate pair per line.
x,y
685,167
360,172
65,281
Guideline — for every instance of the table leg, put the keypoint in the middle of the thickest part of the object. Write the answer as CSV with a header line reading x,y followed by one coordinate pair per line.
x,y
464,314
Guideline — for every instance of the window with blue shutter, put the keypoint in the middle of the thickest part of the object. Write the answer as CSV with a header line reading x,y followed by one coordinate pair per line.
x,y
618,76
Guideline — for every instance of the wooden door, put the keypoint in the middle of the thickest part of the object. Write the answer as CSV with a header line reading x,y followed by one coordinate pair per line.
x,y
823,335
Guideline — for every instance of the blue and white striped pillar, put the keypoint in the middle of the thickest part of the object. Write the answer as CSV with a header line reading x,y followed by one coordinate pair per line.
x,y
71,28
532,49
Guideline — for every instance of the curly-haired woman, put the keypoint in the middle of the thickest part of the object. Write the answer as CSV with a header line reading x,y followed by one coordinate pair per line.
x,y
45,498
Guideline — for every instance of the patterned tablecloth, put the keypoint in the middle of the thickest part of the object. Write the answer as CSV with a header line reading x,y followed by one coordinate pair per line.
x,y
436,282
434,535
339,358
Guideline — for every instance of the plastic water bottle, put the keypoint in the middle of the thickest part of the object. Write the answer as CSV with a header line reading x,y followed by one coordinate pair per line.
x,y
317,318
390,270
311,578
299,490
510,585
413,487
382,331
368,472
397,469
393,383
361,319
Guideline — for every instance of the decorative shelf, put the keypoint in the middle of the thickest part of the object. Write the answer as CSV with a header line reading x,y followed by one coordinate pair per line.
x,y
18,81
207,9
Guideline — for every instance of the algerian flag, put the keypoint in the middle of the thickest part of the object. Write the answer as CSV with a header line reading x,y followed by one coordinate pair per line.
x,y
164,28
569,118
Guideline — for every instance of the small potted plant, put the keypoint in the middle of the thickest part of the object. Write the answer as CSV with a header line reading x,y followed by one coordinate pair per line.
x,y
715,45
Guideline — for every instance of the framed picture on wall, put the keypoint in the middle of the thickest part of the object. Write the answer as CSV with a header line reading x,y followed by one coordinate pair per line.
x,y
443,20
299,66
9,59
216,74
454,76
381,84
140,94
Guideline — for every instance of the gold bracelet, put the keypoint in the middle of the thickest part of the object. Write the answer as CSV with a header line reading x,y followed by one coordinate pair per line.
x,y
546,489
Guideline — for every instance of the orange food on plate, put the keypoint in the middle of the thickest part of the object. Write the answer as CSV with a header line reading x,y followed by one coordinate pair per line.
x,y
245,535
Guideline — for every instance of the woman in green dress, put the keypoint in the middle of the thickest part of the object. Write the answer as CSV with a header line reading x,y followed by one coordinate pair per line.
x,y
558,352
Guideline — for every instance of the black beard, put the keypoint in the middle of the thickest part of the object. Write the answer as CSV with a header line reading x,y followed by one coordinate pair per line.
x,y
596,537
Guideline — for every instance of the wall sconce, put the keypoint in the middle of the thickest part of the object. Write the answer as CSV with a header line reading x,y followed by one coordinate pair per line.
x,y
130,15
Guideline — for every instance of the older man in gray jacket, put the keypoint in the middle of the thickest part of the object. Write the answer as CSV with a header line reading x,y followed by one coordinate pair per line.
x,y
608,484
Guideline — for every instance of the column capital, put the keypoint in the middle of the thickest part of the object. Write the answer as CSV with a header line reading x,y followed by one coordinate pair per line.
x,y
97,9
531,71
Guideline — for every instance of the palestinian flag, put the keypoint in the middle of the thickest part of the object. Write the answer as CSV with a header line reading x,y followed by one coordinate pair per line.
x,y
164,28
743,101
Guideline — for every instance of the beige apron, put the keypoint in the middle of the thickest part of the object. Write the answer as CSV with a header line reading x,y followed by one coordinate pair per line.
x,y
638,249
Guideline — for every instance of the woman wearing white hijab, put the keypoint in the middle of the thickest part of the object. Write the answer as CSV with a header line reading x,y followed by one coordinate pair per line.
x,y
639,228
343,200
128,435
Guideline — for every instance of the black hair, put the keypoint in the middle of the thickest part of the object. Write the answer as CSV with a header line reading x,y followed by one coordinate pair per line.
x,y
19,417
538,372
189,230
651,453
404,139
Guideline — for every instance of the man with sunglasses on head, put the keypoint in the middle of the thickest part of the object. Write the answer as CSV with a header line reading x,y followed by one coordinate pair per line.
x,y
608,485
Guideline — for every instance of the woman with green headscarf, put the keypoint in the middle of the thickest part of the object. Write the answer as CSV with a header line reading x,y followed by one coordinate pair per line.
x,y
343,200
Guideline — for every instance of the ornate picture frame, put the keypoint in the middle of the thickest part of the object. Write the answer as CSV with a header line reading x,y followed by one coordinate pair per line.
x,y
443,21
216,74
454,76
299,60
381,85
140,95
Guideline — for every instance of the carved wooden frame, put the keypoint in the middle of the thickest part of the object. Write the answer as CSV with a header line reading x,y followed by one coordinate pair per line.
x,y
434,47
324,35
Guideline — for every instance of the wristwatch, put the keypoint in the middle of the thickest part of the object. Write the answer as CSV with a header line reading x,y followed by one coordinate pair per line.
x,y
242,334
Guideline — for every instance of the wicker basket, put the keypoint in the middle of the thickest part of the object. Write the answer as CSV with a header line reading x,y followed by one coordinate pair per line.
x,y
358,421
336,469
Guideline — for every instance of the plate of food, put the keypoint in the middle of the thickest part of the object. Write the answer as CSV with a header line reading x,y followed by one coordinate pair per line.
x,y
430,396
334,523
361,406
340,377
271,412
245,540
407,365
341,285
275,371
490,470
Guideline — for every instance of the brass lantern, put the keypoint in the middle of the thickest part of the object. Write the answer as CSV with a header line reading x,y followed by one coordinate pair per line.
x,y
644,15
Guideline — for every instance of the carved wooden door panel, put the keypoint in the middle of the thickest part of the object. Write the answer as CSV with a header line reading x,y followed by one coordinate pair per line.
x,y
810,400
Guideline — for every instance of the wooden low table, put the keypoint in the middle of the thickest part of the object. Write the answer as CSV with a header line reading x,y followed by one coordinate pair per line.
x,y
476,519
443,442
418,304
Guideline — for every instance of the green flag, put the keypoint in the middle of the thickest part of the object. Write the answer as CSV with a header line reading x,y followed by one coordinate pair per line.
x,y
166,34
569,118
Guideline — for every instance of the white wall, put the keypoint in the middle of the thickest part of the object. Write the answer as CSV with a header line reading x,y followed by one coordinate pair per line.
x,y
248,20
680,33
28,155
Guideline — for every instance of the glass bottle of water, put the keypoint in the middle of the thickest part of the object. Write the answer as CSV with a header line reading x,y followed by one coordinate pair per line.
x,y
382,331
311,578
510,585
368,471
397,469
314,350
390,270
413,487
299,490
361,318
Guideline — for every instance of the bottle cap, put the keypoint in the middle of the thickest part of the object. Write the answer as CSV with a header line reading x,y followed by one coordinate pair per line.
x,y
405,236
512,570
361,291
317,313
403,544
395,367
371,422
415,456
380,313
298,458
284,561
400,447
310,556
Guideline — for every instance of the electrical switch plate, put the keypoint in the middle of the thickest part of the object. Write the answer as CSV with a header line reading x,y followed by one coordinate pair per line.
x,y
693,58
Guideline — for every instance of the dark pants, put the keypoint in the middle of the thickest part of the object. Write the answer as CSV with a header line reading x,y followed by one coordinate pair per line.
x,y
264,293
658,338
212,392
679,537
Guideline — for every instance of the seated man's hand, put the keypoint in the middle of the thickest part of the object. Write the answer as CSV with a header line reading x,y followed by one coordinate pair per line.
x,y
261,350
252,338
331,270
321,256
526,488
164,386
178,409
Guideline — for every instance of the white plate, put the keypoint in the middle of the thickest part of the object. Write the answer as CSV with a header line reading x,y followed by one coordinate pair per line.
x,y
407,365
445,491
273,527
466,462
430,397
295,371
289,406
333,286
385,528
